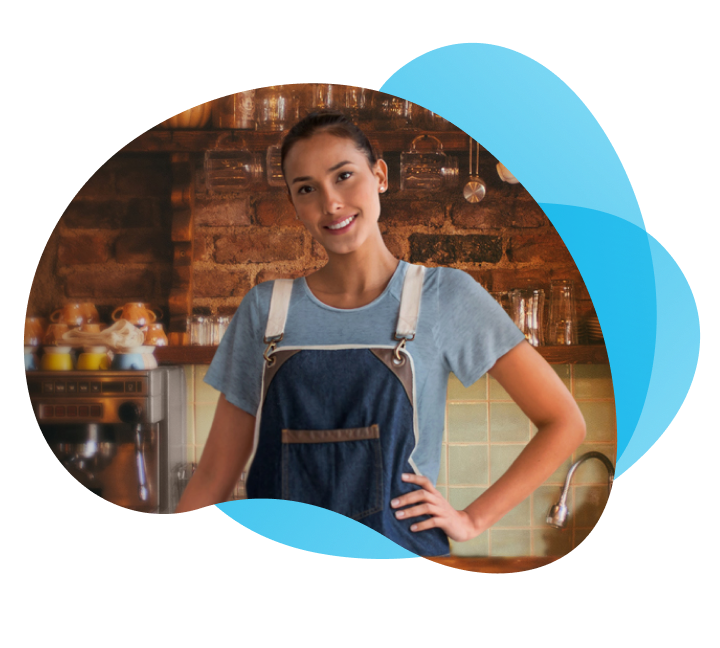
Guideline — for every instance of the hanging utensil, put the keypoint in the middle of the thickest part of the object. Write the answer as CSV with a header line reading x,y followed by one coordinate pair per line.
x,y
475,188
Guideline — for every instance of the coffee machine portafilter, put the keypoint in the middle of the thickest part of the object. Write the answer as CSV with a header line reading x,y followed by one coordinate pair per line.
x,y
121,434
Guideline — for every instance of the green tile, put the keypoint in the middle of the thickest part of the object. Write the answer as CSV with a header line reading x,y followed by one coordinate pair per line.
x,y
563,372
552,542
558,477
472,548
496,390
204,414
599,421
588,505
517,517
501,456
442,476
510,542
467,423
508,423
460,498
190,403
593,471
593,381
443,490
190,453
476,391
467,465
203,392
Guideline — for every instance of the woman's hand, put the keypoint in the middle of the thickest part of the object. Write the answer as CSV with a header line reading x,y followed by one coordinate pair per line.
x,y
458,525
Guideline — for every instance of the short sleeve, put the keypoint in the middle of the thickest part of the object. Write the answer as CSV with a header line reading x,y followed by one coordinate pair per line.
x,y
236,369
472,329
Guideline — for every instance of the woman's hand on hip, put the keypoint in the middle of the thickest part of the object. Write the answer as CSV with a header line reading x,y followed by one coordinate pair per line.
x,y
458,525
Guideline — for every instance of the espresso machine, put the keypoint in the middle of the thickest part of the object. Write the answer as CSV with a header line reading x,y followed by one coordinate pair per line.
x,y
121,434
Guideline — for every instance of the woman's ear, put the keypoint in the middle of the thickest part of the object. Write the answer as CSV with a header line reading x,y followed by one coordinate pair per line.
x,y
381,173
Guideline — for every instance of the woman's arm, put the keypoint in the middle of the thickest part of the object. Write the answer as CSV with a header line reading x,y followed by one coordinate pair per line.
x,y
226,453
541,395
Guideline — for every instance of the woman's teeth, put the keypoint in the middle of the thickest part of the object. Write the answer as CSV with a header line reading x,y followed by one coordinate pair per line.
x,y
341,224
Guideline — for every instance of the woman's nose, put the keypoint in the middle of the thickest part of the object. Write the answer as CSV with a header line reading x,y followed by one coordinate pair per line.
x,y
332,201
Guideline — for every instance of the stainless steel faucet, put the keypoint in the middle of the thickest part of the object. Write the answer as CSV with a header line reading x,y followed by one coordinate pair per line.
x,y
557,515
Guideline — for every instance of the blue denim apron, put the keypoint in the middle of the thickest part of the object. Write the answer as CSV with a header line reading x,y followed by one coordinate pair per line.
x,y
336,425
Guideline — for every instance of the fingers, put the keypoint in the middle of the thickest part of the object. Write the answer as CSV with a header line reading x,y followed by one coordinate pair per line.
x,y
421,481
414,511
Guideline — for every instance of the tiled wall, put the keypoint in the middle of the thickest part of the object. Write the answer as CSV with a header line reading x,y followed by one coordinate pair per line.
x,y
484,432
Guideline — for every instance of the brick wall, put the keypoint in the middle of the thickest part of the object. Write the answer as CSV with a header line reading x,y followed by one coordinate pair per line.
x,y
112,244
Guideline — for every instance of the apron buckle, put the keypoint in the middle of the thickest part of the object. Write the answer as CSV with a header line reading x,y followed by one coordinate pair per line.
x,y
398,359
271,344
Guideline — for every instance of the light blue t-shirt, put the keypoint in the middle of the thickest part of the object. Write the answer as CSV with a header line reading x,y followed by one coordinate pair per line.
x,y
461,329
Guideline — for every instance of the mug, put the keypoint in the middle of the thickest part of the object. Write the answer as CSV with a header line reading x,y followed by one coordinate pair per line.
x,y
93,361
136,313
138,359
56,359
154,335
54,333
34,331
72,314
89,313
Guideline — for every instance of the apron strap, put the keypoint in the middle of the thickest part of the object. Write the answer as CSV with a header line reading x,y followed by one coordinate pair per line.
x,y
279,304
410,303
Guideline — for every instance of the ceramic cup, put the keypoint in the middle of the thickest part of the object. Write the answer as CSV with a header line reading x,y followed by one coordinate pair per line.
x,y
138,359
54,333
136,313
93,359
154,335
31,359
34,331
93,327
56,358
72,314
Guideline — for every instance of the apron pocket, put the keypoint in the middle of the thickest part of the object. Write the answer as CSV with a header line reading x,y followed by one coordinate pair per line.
x,y
339,470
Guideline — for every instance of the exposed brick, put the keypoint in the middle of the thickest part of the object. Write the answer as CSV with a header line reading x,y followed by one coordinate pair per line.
x,y
397,243
541,247
318,251
221,213
220,282
143,177
146,213
202,248
101,184
259,246
83,249
493,213
446,249
413,212
503,279
276,212
82,214
268,274
113,282
140,246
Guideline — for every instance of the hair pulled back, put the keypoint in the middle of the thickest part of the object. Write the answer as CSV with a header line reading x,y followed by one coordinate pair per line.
x,y
327,121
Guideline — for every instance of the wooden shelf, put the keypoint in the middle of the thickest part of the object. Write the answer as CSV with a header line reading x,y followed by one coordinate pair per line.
x,y
495,565
179,141
581,354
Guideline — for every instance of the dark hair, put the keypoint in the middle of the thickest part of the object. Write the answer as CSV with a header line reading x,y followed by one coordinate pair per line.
x,y
327,121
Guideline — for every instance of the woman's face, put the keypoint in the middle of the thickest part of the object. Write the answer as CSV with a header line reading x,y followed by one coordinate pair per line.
x,y
335,192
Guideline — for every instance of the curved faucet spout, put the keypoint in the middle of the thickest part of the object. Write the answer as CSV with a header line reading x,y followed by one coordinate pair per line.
x,y
558,513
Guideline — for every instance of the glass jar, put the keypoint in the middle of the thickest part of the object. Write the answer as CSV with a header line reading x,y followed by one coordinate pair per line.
x,y
273,167
276,108
528,313
392,112
233,170
235,111
562,323
422,167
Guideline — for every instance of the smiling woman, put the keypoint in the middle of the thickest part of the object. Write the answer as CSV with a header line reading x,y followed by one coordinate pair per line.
x,y
334,384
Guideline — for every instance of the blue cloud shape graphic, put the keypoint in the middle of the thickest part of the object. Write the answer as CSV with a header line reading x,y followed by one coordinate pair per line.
x,y
535,124
531,121
312,528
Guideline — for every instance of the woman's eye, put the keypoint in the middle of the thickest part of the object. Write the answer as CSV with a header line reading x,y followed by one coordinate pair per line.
x,y
344,175
304,189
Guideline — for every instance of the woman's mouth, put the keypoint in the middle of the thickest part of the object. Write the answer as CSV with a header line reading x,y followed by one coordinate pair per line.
x,y
341,226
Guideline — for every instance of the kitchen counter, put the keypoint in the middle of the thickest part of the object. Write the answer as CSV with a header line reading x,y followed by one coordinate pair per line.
x,y
495,565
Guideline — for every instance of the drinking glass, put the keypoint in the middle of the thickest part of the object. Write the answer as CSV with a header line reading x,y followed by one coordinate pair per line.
x,y
562,325
527,313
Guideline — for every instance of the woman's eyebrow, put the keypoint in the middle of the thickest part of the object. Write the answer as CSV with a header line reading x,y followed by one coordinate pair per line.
x,y
335,167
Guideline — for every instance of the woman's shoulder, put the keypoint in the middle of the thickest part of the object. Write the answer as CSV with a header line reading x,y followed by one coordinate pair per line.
x,y
450,282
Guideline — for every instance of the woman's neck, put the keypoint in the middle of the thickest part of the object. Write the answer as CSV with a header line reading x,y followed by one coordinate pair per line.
x,y
353,280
